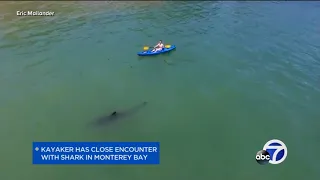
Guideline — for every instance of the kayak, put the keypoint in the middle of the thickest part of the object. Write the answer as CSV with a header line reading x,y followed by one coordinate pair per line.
x,y
150,53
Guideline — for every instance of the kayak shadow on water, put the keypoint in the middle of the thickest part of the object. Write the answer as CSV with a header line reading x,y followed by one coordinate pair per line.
x,y
165,57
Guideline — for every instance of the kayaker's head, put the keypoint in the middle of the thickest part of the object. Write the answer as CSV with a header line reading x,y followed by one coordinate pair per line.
x,y
160,42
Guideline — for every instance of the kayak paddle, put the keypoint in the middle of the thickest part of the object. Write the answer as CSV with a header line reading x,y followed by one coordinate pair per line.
x,y
147,47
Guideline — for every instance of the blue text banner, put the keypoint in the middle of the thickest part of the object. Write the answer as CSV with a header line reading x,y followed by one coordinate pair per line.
x,y
96,153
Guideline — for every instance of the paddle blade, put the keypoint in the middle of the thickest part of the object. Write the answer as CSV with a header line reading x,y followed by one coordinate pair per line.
x,y
145,48
167,46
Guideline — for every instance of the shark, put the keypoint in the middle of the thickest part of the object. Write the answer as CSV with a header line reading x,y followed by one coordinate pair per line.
x,y
119,115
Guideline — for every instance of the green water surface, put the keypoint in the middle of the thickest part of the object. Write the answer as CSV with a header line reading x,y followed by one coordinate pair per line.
x,y
243,73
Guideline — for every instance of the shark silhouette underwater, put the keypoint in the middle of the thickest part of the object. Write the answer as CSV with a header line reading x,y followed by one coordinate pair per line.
x,y
119,115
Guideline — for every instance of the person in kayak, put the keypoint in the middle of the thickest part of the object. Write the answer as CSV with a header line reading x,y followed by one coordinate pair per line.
x,y
158,47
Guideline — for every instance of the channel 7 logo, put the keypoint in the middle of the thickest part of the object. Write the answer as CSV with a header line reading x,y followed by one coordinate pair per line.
x,y
273,152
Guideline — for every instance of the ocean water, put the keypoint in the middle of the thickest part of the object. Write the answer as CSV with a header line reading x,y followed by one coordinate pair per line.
x,y
243,73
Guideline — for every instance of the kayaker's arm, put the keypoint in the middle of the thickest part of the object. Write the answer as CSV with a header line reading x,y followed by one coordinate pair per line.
x,y
156,46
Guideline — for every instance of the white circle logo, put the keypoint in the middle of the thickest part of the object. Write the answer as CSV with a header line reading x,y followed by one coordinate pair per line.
x,y
277,150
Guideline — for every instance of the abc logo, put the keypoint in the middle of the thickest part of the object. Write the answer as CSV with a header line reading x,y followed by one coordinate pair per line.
x,y
263,157
274,152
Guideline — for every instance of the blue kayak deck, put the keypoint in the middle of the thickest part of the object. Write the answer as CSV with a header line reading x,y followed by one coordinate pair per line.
x,y
150,53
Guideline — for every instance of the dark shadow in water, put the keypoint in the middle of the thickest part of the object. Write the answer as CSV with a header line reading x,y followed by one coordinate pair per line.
x,y
118,115
36,63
